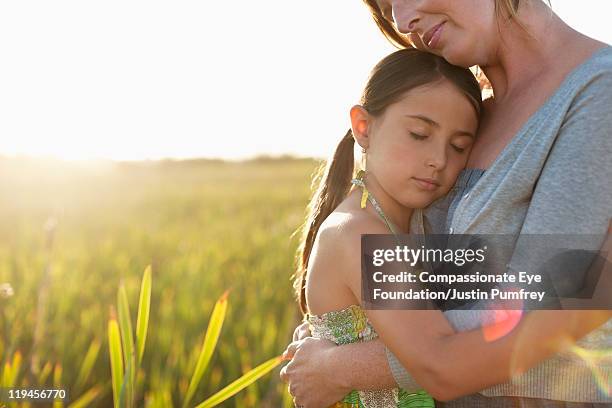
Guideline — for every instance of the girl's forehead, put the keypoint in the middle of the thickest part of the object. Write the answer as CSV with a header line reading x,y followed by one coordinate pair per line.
x,y
436,101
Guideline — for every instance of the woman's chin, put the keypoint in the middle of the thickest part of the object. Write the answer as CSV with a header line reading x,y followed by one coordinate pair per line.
x,y
458,59
458,55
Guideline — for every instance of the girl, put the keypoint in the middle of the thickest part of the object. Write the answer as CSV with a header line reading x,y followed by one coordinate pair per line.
x,y
415,124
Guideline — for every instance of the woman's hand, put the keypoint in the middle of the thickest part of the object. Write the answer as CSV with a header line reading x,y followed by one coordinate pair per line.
x,y
301,332
313,381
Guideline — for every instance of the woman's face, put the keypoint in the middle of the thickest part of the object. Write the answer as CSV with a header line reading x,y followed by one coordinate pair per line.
x,y
418,145
464,32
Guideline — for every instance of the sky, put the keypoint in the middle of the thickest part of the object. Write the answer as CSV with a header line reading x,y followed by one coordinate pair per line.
x,y
133,79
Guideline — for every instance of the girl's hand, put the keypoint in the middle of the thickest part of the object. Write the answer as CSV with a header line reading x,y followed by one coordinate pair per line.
x,y
313,381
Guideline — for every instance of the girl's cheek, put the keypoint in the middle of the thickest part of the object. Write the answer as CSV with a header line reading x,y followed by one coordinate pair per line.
x,y
399,151
413,147
455,174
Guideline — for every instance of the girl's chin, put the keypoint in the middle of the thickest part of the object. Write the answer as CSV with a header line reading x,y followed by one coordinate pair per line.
x,y
420,203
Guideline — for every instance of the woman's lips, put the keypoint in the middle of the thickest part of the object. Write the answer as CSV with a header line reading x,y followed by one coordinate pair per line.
x,y
432,38
426,184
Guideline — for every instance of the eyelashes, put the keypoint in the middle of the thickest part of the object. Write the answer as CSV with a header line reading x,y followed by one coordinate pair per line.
x,y
417,136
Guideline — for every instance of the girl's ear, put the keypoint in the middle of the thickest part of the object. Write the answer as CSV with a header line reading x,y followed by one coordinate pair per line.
x,y
360,123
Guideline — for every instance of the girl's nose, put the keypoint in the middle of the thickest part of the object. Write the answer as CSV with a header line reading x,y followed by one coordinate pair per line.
x,y
405,16
437,159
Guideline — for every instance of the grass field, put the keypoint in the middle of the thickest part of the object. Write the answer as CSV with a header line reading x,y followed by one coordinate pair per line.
x,y
70,233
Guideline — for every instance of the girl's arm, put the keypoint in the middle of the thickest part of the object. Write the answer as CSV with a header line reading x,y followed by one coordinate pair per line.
x,y
322,373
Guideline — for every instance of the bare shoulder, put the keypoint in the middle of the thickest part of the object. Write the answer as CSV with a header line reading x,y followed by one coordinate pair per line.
x,y
342,230
339,236
338,242
334,267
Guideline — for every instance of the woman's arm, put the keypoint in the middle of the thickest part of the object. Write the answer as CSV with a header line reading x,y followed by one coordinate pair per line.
x,y
322,373
427,345
368,373
437,357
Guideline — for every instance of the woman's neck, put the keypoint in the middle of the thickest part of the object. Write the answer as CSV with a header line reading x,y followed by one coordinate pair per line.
x,y
395,212
545,45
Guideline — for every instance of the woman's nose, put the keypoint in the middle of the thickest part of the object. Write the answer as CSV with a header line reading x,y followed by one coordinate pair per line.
x,y
405,17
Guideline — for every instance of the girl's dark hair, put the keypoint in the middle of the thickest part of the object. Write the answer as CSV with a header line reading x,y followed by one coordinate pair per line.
x,y
390,79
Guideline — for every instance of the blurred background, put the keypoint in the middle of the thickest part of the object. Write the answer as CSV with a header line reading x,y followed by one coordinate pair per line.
x,y
181,135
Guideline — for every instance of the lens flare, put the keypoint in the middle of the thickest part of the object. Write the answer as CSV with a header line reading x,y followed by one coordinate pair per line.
x,y
505,318
503,323
595,360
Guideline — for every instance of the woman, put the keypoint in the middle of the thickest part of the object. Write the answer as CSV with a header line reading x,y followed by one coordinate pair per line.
x,y
542,163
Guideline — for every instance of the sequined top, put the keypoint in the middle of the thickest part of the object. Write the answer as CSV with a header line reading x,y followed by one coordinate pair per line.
x,y
351,325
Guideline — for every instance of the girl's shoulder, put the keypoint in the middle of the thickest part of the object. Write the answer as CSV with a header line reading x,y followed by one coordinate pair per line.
x,y
340,234
350,220
335,261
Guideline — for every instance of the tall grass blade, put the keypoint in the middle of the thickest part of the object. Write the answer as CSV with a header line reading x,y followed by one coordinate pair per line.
x,y
6,373
57,384
15,367
125,324
208,347
126,394
44,373
144,305
88,363
116,360
127,342
241,383
87,398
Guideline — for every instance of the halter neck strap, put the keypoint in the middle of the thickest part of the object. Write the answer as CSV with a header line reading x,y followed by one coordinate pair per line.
x,y
360,182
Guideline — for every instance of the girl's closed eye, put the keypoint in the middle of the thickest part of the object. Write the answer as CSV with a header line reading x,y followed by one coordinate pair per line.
x,y
462,144
418,136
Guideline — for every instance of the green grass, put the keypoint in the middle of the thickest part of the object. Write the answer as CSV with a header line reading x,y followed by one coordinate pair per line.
x,y
70,234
